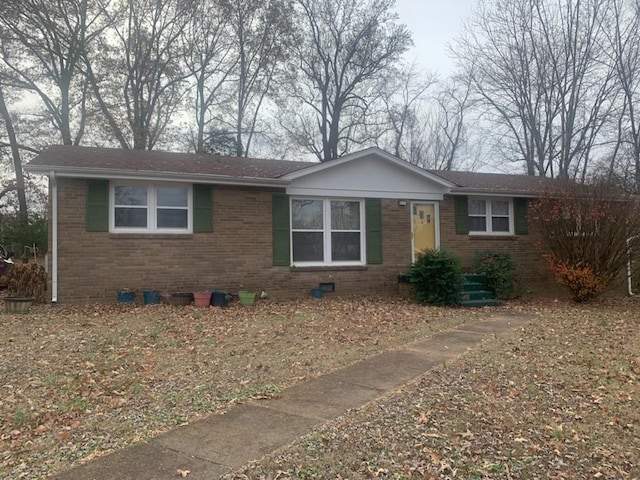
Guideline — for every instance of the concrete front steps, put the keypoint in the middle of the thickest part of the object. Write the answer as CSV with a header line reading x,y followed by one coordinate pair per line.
x,y
474,292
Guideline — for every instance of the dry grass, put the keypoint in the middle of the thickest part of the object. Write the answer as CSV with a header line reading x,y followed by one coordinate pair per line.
x,y
79,382
557,399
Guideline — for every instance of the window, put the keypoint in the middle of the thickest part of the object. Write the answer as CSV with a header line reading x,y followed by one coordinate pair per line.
x,y
327,231
151,208
492,216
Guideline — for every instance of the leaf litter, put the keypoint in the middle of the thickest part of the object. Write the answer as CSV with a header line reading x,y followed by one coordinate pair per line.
x,y
556,399
79,382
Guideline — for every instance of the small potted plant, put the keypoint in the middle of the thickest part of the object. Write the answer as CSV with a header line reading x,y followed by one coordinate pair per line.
x,y
25,284
126,295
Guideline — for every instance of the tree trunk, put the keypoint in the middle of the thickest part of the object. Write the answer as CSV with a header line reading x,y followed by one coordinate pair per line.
x,y
17,164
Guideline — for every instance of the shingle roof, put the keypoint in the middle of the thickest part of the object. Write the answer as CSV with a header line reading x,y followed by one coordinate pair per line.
x,y
111,159
61,158
474,182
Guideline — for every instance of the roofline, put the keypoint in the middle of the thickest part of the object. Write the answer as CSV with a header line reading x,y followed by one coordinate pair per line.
x,y
362,153
493,193
71,172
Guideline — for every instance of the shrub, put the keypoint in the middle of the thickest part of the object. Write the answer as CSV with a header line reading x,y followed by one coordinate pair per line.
x,y
500,272
436,277
586,232
26,280
581,280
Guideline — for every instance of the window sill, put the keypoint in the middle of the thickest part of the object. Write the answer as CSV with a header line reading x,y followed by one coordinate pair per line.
x,y
330,268
493,237
151,236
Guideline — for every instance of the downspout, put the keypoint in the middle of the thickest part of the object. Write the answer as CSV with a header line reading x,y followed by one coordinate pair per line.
x,y
54,237
629,271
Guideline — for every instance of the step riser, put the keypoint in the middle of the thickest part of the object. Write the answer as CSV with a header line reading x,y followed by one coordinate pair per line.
x,y
477,295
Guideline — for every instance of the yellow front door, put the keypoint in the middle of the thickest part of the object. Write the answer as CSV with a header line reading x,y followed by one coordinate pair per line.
x,y
424,227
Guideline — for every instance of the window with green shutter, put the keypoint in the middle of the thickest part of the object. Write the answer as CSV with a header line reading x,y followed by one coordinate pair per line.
x,y
326,231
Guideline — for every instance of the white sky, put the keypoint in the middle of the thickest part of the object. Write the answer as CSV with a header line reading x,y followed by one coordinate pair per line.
x,y
433,23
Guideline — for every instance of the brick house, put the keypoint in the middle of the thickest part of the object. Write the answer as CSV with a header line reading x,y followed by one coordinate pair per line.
x,y
172,222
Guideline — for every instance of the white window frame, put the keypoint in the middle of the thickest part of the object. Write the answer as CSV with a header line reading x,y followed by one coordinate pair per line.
x,y
326,232
152,207
488,215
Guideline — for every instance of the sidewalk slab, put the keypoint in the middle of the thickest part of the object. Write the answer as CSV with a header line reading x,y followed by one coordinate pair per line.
x,y
244,433
144,461
386,371
324,398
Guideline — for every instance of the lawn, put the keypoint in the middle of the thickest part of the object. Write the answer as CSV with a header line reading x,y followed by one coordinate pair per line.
x,y
79,382
555,399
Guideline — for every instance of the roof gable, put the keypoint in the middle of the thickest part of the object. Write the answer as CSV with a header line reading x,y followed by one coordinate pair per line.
x,y
370,173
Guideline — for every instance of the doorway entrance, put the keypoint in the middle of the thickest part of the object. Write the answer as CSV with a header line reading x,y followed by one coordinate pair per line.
x,y
424,227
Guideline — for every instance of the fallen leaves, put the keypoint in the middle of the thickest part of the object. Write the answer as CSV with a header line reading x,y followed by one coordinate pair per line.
x,y
86,380
555,399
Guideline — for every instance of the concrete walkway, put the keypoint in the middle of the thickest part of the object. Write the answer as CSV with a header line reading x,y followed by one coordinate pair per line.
x,y
219,444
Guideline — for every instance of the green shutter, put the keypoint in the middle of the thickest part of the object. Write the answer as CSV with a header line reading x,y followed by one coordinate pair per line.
x,y
281,236
462,215
97,206
520,209
202,209
373,217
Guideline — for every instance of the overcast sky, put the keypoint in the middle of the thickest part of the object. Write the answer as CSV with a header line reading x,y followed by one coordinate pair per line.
x,y
433,23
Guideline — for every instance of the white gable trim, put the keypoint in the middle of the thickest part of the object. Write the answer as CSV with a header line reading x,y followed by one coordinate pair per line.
x,y
372,151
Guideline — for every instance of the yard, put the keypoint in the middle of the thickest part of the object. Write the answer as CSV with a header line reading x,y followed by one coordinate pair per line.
x,y
557,398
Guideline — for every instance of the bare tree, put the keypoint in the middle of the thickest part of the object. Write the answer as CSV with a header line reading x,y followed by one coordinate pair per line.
x,y
624,44
344,47
210,58
139,71
402,96
536,65
260,33
43,43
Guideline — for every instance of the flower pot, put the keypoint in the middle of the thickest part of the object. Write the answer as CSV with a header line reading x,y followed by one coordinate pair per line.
x,y
126,297
246,298
18,304
182,299
317,292
219,298
151,297
202,299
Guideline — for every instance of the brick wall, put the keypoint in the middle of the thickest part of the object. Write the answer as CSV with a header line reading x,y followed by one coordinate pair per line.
x,y
93,266
531,267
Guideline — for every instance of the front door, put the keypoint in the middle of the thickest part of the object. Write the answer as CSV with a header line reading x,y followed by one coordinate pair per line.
x,y
424,227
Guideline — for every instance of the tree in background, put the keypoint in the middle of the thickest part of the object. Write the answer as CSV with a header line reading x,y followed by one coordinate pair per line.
x,y
343,48
261,35
210,59
586,232
538,69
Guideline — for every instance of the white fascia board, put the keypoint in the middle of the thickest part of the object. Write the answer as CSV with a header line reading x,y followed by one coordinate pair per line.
x,y
344,193
162,176
373,151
